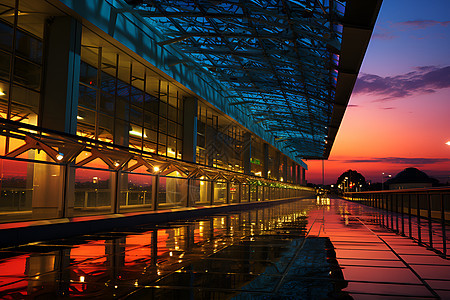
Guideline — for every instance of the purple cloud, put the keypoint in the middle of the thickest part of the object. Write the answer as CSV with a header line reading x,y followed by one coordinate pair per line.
x,y
401,160
422,80
423,23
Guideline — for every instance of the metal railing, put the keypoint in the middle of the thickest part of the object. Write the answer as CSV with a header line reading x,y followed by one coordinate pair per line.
x,y
421,214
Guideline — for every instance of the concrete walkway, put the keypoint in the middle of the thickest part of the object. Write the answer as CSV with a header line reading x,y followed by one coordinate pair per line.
x,y
306,249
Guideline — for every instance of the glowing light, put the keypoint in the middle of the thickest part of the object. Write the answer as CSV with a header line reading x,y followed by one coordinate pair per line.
x,y
80,118
448,143
116,164
59,156
137,133
155,169
171,151
2,93
82,278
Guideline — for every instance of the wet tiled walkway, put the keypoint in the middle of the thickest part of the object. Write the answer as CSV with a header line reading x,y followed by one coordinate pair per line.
x,y
307,249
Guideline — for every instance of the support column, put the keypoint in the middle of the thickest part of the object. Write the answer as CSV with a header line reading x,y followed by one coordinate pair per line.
x,y
303,176
62,74
190,115
266,160
276,167
62,48
285,168
247,155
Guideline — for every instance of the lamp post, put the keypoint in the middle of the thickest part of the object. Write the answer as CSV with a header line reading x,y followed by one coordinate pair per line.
x,y
382,180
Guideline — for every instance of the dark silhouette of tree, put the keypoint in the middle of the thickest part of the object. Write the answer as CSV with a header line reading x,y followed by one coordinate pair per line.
x,y
351,180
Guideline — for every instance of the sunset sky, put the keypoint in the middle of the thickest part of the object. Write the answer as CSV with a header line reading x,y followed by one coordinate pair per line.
x,y
399,112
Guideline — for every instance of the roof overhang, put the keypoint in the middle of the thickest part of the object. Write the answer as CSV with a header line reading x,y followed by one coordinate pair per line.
x,y
359,21
285,69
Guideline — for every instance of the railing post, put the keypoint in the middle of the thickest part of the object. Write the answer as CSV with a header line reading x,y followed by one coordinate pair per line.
x,y
419,233
402,214
444,236
409,215
386,224
430,226
155,193
396,212
391,196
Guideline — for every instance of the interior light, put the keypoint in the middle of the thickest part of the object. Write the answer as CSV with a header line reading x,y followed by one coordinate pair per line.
x,y
116,164
2,93
81,278
156,169
137,133
448,143
80,118
60,156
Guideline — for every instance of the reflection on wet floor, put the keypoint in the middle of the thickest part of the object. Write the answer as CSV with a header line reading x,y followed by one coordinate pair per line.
x,y
299,250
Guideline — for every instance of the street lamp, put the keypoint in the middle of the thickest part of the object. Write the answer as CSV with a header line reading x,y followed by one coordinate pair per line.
x,y
382,180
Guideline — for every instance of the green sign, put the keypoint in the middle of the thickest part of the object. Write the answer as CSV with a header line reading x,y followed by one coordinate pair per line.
x,y
255,161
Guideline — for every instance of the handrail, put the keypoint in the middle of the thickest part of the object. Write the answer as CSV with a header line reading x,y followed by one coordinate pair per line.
x,y
412,212
435,189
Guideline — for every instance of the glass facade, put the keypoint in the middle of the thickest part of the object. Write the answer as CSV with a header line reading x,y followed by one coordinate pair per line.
x,y
123,102
126,150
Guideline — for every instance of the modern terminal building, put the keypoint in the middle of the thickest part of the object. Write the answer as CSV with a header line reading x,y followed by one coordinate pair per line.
x,y
112,107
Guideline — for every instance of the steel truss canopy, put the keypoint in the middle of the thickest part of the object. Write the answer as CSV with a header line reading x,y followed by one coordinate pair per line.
x,y
291,64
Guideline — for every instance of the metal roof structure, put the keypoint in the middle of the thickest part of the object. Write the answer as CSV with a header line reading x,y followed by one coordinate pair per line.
x,y
290,64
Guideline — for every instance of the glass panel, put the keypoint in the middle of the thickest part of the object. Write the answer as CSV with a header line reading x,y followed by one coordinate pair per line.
x,y
150,135
138,78
4,91
136,192
136,115
163,109
172,192
151,103
234,193
150,121
245,195
172,129
93,191
86,122
106,103
5,61
122,108
30,190
253,192
105,127
179,149
25,106
27,74
149,147
172,113
108,83
220,192
87,97
171,146
199,192
6,36
28,47
88,74
137,96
